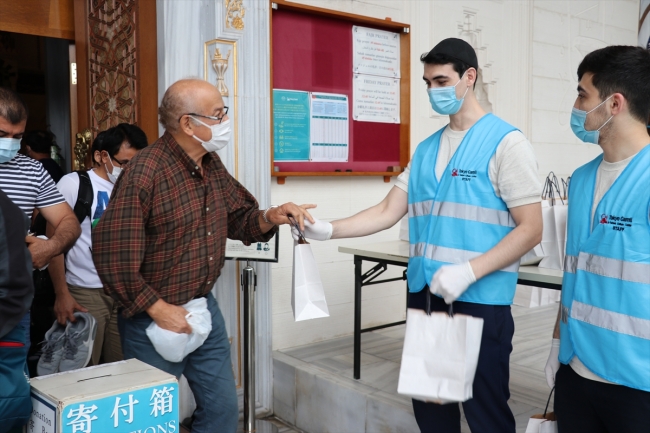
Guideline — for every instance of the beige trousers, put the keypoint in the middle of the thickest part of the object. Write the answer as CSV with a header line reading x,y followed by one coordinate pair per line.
x,y
104,309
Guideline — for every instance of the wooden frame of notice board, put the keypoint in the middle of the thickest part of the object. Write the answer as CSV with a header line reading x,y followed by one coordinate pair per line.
x,y
314,48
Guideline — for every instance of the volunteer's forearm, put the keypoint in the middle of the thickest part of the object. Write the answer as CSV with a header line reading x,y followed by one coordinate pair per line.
x,y
374,219
518,242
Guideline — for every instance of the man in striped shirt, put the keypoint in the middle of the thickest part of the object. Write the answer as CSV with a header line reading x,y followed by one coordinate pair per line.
x,y
30,187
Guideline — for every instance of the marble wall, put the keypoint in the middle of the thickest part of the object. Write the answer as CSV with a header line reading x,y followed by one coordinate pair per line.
x,y
528,56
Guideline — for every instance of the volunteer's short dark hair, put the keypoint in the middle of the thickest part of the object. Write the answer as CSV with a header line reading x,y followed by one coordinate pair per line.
x,y
39,141
113,138
621,69
443,59
12,106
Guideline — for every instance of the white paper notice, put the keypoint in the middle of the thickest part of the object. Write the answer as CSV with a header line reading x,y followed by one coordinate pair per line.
x,y
375,52
376,99
329,129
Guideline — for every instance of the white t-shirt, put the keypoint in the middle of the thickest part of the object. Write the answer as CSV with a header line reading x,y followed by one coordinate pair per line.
x,y
607,173
80,269
512,169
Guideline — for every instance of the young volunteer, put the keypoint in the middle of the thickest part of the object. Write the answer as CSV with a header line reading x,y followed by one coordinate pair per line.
x,y
600,366
472,194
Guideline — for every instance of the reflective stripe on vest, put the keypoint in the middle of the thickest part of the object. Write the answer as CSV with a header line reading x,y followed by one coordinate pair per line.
x,y
449,255
462,211
608,267
611,320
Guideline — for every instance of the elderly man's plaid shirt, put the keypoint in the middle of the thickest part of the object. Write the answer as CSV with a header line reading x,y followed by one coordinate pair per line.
x,y
164,232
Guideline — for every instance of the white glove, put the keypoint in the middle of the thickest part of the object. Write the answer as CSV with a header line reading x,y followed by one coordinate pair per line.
x,y
552,363
320,230
452,280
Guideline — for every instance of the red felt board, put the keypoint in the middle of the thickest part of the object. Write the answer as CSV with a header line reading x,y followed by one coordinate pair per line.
x,y
313,53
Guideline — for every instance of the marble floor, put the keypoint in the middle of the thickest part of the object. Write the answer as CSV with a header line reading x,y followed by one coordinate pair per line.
x,y
381,354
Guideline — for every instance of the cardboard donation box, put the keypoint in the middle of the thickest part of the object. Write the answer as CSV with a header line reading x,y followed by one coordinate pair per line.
x,y
122,397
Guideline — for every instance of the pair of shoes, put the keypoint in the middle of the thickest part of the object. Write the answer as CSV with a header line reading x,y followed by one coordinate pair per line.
x,y
68,347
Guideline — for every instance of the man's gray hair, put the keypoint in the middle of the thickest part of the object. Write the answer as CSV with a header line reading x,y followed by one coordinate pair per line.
x,y
12,106
174,104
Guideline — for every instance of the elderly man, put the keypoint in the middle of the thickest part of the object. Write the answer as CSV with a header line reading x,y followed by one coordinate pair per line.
x,y
28,185
161,242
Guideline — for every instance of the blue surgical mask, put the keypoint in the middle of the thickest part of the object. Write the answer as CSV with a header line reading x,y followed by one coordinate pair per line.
x,y
578,119
9,147
443,99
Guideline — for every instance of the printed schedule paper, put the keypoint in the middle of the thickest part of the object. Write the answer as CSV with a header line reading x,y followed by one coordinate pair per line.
x,y
329,128
290,125
375,99
375,52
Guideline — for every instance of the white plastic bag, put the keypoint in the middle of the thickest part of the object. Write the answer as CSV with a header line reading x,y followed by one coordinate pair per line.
x,y
307,293
440,356
174,347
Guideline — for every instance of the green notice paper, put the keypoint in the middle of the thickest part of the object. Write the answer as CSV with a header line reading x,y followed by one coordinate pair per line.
x,y
290,125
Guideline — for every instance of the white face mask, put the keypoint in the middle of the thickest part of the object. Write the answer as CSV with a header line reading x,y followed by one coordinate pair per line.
x,y
220,135
113,175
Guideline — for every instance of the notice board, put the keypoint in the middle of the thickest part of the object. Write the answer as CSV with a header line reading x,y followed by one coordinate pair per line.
x,y
312,51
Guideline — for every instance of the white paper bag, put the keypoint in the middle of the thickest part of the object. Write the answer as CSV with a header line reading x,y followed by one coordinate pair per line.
x,y
533,256
541,425
307,293
553,235
404,228
174,347
440,356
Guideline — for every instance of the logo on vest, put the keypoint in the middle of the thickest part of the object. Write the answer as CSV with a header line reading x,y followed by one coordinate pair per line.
x,y
618,223
466,175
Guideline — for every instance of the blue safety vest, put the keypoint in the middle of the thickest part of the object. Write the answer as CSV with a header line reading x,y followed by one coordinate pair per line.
x,y
605,311
459,217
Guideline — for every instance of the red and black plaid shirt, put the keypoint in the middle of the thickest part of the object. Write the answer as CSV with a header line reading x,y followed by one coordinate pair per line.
x,y
163,234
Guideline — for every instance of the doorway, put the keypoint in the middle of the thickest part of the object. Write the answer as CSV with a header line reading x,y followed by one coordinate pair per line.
x,y
39,69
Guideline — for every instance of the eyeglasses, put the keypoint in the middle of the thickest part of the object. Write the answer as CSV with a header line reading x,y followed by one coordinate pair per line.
x,y
218,119
121,163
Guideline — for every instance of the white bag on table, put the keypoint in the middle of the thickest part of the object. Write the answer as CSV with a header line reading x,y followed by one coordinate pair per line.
x,y
307,293
440,356
554,216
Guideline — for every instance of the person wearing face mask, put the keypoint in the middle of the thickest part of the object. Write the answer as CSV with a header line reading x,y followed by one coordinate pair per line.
x,y
161,242
472,194
600,356
77,285
31,188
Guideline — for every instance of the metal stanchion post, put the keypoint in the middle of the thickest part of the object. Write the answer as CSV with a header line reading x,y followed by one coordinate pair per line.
x,y
250,424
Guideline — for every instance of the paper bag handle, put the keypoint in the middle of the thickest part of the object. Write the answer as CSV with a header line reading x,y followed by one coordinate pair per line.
x,y
548,401
428,304
301,235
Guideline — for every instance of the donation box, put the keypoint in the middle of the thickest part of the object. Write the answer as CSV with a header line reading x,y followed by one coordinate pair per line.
x,y
122,397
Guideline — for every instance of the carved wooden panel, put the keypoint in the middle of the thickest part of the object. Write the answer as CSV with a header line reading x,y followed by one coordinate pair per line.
x,y
112,62
117,64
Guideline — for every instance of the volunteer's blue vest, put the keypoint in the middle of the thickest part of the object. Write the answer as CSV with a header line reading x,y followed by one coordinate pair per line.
x,y
459,217
605,311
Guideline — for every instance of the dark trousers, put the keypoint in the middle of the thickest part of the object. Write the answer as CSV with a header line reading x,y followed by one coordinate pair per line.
x,y
587,406
488,410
